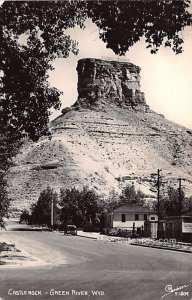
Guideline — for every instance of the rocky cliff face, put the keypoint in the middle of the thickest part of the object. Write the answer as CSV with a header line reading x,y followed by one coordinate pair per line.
x,y
107,139
109,82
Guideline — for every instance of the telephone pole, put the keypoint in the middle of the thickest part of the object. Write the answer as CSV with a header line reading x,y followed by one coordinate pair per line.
x,y
158,201
52,214
180,195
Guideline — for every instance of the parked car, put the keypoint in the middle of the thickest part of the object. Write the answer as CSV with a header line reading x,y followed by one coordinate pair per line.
x,y
70,229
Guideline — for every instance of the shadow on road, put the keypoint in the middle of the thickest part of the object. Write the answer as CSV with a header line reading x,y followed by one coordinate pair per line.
x,y
14,225
25,229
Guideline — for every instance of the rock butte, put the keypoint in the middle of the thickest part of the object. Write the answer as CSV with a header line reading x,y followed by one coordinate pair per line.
x,y
109,82
107,139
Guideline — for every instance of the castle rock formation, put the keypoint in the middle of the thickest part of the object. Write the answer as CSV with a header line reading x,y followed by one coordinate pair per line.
x,y
102,82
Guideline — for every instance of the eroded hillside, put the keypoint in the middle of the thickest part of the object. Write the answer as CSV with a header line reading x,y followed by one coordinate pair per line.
x,y
103,147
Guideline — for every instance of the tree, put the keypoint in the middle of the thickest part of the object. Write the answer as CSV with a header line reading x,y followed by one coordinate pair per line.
x,y
25,94
113,201
4,201
25,216
162,210
173,206
69,200
187,206
41,211
80,206
176,204
130,196
123,23
91,206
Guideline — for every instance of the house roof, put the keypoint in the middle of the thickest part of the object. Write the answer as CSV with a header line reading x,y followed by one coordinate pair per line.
x,y
133,209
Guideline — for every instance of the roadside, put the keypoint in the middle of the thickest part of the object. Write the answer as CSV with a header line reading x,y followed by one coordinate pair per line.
x,y
90,235
12,255
142,242
163,244
24,252
19,250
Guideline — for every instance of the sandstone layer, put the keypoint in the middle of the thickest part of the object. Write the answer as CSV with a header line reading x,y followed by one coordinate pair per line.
x,y
102,82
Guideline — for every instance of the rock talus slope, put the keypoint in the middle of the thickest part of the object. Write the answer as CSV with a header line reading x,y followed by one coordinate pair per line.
x,y
110,137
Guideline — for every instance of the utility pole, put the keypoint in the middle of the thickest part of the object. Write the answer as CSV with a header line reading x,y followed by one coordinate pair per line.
x,y
52,214
180,196
158,201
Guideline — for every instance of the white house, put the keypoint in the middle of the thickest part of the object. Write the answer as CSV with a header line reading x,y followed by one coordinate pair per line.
x,y
125,216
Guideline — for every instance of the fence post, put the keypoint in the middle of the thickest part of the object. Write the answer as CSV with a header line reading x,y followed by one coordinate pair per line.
x,y
142,230
133,230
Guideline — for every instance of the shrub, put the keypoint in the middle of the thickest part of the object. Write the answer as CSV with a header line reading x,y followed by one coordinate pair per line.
x,y
120,232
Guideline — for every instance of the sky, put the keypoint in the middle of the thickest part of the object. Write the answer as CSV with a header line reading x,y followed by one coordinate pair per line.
x,y
166,78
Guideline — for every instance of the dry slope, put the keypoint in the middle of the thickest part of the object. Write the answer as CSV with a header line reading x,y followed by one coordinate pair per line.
x,y
104,146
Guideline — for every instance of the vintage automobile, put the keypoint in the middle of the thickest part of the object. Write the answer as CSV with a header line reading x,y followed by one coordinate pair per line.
x,y
70,229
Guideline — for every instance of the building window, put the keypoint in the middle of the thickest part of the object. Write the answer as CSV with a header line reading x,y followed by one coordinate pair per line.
x,y
123,218
145,217
152,218
136,217
110,218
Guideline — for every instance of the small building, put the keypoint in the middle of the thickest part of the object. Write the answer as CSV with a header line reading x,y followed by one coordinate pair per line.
x,y
179,228
127,216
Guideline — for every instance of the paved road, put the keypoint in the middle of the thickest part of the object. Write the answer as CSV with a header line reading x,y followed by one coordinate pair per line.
x,y
117,271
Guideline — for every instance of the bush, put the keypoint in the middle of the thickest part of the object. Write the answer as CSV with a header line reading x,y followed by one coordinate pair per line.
x,y
120,232
88,227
